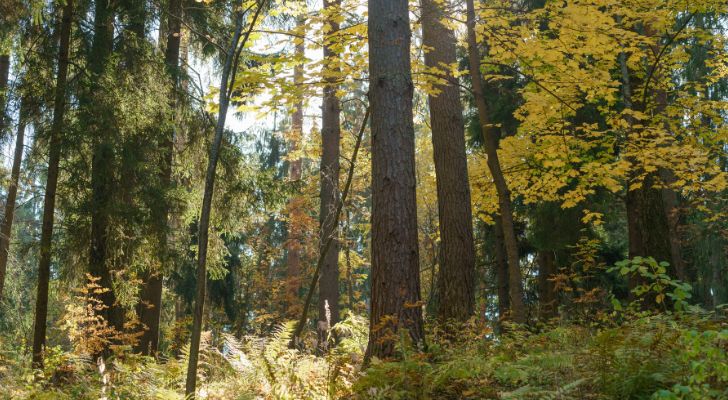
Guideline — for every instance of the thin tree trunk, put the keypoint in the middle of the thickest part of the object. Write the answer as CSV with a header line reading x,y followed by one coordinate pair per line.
x,y
329,241
395,281
150,306
226,80
328,301
546,288
456,283
349,274
6,228
490,135
49,202
294,207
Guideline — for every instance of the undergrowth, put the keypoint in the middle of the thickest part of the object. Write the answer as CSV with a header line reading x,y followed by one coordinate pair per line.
x,y
643,356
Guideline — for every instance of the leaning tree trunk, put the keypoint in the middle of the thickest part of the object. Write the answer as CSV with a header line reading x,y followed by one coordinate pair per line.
x,y
328,301
456,282
226,81
6,228
395,287
490,135
49,202
150,307
295,207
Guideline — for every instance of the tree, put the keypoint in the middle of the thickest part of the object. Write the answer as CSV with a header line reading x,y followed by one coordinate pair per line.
x,y
6,227
456,282
49,202
328,301
395,279
227,78
490,138
150,304
97,118
295,170
4,74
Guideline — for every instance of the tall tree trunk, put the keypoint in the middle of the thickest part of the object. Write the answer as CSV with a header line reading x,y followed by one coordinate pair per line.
x,y
95,119
328,301
49,202
395,289
294,207
6,228
456,282
150,307
648,221
228,76
490,136
4,75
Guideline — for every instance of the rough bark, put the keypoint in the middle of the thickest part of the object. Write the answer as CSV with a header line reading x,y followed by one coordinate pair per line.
x,y
49,202
6,227
4,74
294,207
456,282
328,301
149,309
490,136
395,275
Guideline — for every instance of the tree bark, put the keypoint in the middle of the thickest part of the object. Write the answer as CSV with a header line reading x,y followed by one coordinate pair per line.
x,y
295,212
6,228
395,288
4,75
49,202
328,301
456,283
490,137
150,307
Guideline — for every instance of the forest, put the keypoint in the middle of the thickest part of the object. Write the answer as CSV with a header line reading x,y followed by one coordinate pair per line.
x,y
364,199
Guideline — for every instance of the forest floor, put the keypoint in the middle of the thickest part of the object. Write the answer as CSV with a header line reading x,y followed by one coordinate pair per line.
x,y
610,356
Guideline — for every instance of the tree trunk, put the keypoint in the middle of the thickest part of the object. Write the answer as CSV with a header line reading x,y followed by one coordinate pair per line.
x,y
546,289
150,307
95,118
456,282
648,221
328,301
349,274
395,287
295,211
226,80
49,202
490,136
501,271
4,74
6,228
